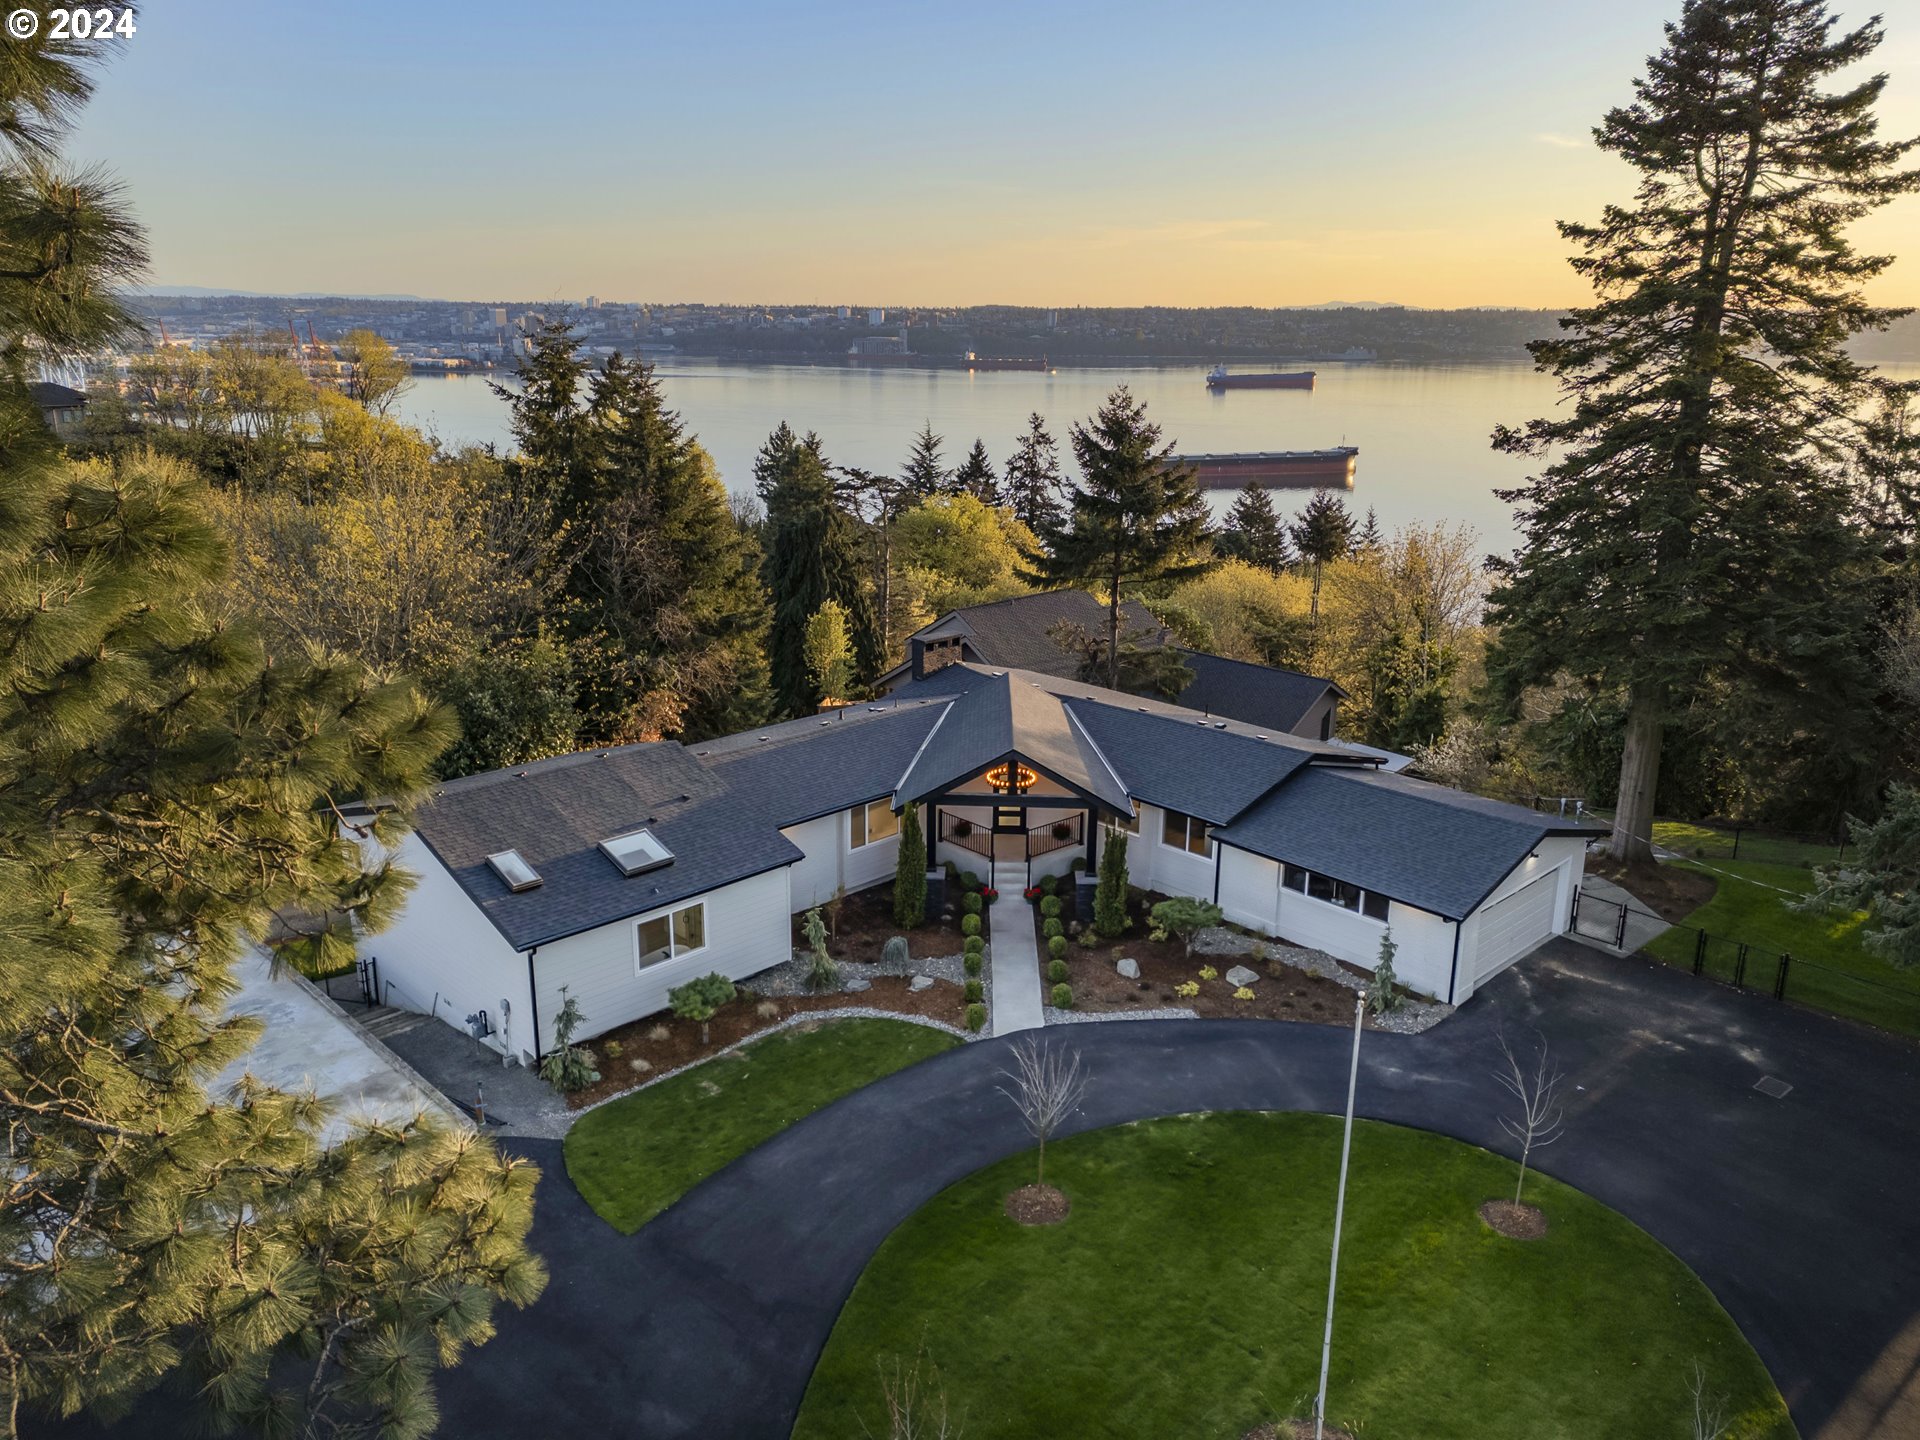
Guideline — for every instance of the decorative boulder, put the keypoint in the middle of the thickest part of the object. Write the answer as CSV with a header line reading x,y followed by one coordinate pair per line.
x,y
920,982
1240,976
857,985
1127,969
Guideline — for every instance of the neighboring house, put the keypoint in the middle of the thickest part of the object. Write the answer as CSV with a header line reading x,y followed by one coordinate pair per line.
x,y
619,874
1015,633
61,406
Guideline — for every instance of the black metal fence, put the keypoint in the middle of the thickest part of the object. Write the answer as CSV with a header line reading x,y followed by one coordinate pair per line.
x,y
1744,965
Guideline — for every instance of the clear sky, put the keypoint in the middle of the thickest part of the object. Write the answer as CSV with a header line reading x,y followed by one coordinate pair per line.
x,y
1047,153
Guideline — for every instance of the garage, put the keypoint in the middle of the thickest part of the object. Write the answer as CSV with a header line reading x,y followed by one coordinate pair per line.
x,y
1511,927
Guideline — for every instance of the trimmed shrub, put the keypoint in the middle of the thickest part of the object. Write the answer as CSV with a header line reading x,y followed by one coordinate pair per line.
x,y
1050,883
973,944
1057,970
969,880
973,904
1052,927
1063,997
1050,907
894,952
970,923
973,962
1079,863
975,990
1056,945
976,1017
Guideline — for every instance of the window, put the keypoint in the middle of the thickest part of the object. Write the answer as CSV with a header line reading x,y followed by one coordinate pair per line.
x,y
1316,886
873,823
1132,823
670,936
1184,832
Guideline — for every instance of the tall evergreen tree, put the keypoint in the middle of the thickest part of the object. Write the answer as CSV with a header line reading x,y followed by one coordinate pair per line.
x,y
1322,534
815,553
166,794
669,602
1693,528
1032,489
1254,532
1137,518
975,476
547,414
925,473
1369,539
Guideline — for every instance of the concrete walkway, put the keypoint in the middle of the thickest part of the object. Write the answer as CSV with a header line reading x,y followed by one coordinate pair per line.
x,y
1597,924
1015,958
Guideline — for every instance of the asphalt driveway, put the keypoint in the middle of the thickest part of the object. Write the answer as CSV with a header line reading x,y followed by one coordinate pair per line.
x,y
1800,1213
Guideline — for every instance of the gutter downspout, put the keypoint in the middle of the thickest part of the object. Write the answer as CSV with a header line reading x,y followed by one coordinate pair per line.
x,y
533,1001
1453,975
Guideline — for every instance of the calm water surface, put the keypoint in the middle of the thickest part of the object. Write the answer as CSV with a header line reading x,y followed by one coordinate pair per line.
x,y
1422,430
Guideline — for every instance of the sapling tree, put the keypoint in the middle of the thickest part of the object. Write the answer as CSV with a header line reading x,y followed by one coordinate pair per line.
x,y
914,1399
1536,1091
1382,998
1046,1085
1184,917
567,1066
1709,1415
698,1000
824,974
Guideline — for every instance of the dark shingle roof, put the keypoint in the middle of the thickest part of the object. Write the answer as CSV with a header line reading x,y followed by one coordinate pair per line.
x,y
49,396
809,768
1000,714
1185,765
1259,694
1013,632
556,813
1439,849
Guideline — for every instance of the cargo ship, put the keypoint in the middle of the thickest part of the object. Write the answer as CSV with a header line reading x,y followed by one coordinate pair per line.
x,y
1316,469
1006,362
1218,378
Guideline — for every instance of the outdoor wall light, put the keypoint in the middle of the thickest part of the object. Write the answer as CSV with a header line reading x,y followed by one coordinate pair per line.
x,y
1012,779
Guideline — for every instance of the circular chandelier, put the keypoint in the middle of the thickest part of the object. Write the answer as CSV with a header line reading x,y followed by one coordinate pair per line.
x,y
1012,779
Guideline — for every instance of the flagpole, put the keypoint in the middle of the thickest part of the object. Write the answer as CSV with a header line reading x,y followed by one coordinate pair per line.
x,y
1339,1215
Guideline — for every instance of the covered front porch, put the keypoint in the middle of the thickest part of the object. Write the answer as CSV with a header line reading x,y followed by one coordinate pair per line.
x,y
1043,836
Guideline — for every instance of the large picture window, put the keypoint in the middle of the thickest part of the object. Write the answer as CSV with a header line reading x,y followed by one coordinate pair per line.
x,y
1325,888
671,936
1184,832
875,822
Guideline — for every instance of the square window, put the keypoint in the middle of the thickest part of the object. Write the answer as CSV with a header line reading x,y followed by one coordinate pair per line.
x,y
656,941
1320,887
1374,906
689,929
1346,896
857,831
1296,879
882,823
1173,829
1197,833
1132,823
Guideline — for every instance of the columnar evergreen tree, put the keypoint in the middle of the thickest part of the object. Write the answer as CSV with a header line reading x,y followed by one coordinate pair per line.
x,y
1136,517
1032,488
925,473
1369,539
910,872
1694,528
166,794
1322,534
1110,895
815,553
975,476
1254,532
547,414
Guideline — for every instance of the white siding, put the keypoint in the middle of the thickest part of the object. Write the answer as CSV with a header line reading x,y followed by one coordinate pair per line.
x,y
870,864
443,957
1565,858
1251,895
816,877
748,930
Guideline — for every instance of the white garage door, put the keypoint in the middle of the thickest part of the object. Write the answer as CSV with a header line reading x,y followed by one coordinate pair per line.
x,y
1511,927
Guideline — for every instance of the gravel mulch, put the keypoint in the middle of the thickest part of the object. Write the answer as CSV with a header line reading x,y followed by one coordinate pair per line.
x,y
1081,1017
791,978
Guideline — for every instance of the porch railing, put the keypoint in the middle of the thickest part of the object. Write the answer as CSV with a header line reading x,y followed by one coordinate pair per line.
x,y
967,835
1045,839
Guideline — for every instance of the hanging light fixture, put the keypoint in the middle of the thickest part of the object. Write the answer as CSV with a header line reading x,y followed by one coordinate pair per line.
x,y
1012,779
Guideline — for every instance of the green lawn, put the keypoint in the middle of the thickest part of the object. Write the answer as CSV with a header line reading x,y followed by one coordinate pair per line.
x,y
635,1157
1184,1297
1685,838
1841,976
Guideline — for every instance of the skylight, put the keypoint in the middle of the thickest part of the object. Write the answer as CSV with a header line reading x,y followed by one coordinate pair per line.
x,y
514,871
636,853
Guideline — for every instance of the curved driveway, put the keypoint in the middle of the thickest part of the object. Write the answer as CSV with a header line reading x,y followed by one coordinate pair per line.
x,y
1801,1213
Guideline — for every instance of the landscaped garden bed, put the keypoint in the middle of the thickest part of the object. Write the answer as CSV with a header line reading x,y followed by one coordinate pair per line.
x,y
1283,991
635,1156
864,923
666,1042
1184,1292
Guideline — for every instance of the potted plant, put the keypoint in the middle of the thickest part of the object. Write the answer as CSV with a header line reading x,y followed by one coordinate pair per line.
x,y
1062,830
989,894
962,829
1033,894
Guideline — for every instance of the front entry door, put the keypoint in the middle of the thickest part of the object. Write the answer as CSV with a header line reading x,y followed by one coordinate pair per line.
x,y
1010,833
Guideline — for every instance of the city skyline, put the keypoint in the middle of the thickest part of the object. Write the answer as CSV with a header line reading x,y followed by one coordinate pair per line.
x,y
1266,156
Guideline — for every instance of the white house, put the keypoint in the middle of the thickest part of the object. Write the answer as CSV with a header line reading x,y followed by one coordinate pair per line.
x,y
615,875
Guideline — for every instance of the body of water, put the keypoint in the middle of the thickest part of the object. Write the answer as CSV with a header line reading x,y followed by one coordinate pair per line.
x,y
1422,429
